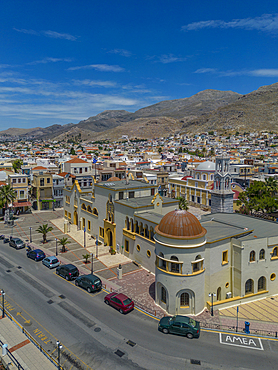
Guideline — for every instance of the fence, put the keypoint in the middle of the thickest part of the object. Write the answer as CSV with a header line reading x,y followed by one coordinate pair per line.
x,y
12,358
231,328
28,335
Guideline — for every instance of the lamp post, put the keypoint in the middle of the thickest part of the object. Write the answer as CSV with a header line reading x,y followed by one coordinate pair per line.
x,y
96,246
59,347
56,247
3,303
84,237
30,234
212,295
92,264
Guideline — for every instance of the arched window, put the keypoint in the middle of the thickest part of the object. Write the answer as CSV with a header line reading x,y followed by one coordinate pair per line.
x,y
131,225
89,209
252,257
162,262
141,230
184,300
198,265
249,286
163,295
261,284
218,294
204,177
198,176
262,254
136,227
146,231
275,252
127,223
83,207
211,177
175,267
151,233
95,212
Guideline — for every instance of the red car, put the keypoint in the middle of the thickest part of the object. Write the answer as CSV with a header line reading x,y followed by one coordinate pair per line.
x,y
120,301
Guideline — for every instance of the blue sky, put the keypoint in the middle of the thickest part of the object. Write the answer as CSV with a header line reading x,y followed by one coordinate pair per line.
x,y
64,61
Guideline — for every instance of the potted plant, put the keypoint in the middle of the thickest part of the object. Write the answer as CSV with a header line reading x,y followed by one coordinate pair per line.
x,y
112,251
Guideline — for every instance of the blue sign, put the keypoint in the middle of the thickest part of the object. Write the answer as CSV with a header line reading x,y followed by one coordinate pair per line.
x,y
95,160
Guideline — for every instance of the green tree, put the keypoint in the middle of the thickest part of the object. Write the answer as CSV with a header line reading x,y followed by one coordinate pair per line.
x,y
7,195
259,197
63,242
72,151
44,229
183,203
17,165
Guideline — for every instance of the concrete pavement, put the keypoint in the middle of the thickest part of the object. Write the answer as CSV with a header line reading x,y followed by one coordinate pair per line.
x,y
22,349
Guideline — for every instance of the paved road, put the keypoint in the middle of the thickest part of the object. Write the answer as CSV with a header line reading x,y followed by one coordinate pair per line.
x,y
51,308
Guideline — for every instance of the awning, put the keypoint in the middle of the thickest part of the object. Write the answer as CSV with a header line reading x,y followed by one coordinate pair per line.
x,y
23,204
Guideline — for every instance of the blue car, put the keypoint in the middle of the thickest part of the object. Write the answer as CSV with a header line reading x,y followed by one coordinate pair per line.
x,y
36,254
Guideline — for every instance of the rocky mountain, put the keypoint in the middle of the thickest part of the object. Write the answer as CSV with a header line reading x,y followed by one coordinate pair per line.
x,y
205,111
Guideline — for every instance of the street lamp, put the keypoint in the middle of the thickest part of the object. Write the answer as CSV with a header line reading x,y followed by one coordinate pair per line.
x,y
84,237
30,234
3,303
96,246
92,264
56,247
212,295
59,347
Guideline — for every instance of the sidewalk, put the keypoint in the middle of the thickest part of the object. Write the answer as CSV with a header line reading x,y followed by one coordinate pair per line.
x,y
24,351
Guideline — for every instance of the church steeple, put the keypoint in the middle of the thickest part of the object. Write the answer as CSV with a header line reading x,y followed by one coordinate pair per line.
x,y
222,195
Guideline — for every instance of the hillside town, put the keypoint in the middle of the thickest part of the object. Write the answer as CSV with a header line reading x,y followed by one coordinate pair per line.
x,y
47,167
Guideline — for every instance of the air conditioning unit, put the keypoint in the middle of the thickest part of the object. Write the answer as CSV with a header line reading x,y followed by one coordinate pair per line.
x,y
228,295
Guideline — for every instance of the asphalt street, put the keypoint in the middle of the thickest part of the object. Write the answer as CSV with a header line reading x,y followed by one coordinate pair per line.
x,y
96,336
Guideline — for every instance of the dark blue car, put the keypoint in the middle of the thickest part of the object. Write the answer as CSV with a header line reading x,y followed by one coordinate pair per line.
x,y
36,254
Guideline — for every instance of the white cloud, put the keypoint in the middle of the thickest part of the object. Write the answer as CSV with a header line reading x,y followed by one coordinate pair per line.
x,y
206,70
58,35
266,23
170,58
48,33
95,83
99,67
29,32
256,72
264,73
122,52
49,60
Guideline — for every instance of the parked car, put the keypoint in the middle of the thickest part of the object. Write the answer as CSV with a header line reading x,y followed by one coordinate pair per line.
x,y
36,254
16,243
120,301
181,325
2,237
90,282
68,272
51,262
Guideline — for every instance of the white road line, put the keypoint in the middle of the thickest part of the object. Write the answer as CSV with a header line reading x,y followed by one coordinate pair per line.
x,y
246,342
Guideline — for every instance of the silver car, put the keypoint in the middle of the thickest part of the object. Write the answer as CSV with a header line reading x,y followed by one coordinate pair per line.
x,y
51,262
17,243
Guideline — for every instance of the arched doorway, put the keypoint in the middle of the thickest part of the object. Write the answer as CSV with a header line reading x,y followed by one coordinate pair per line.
x,y
109,238
185,303
75,218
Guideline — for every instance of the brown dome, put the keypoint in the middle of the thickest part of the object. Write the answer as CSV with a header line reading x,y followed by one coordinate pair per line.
x,y
114,178
180,224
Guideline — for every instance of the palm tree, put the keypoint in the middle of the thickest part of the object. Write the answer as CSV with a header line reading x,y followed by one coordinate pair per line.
x,y
7,195
183,203
63,242
44,229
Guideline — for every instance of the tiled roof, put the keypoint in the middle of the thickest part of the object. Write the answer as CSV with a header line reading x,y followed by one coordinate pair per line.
x,y
76,160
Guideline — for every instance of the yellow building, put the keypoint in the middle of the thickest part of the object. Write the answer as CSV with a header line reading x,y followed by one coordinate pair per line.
x,y
42,191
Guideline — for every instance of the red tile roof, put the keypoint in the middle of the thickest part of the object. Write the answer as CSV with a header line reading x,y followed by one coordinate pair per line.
x,y
77,160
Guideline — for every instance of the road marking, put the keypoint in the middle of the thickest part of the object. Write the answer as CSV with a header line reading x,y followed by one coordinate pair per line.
x,y
241,341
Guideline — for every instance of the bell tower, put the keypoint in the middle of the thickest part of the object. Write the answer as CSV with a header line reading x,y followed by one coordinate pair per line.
x,y
222,195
